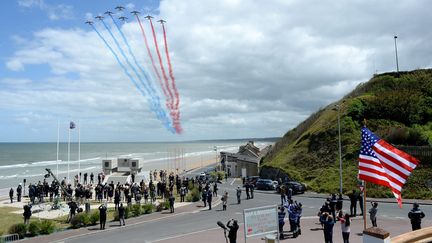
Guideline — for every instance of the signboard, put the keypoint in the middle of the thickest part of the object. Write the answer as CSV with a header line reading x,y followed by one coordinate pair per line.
x,y
259,221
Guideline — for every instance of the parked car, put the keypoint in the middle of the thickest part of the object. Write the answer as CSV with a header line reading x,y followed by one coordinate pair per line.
x,y
252,180
265,184
296,187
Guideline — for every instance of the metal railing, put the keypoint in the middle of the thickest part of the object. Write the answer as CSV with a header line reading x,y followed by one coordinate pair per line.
x,y
9,238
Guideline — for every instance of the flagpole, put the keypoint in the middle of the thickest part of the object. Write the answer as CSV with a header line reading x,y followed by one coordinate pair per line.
x,y
79,151
58,138
364,205
68,155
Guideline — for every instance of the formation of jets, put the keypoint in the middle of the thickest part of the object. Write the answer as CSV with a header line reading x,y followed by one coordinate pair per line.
x,y
122,18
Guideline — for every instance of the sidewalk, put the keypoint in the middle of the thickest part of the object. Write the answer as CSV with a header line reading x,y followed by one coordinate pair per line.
x,y
180,209
311,232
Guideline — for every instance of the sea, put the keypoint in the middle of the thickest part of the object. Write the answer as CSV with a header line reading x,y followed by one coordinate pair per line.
x,y
19,161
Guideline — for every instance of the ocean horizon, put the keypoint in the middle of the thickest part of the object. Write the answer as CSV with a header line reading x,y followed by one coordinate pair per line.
x,y
19,161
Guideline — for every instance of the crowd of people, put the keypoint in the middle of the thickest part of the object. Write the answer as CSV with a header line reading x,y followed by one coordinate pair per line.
x,y
332,211
161,185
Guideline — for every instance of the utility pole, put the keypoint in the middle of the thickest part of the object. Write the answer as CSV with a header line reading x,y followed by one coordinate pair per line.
x,y
340,152
397,61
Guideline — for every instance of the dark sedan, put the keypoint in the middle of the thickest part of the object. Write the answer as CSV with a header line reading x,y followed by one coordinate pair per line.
x,y
264,184
296,187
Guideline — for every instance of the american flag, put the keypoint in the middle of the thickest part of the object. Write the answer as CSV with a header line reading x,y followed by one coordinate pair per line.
x,y
383,164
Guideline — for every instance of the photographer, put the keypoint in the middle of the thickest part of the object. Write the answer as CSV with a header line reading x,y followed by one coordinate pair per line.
x,y
233,226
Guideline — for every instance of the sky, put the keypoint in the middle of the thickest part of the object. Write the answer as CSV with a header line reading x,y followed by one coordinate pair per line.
x,y
242,68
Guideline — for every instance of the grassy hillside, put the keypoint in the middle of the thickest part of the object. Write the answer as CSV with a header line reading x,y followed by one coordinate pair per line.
x,y
398,109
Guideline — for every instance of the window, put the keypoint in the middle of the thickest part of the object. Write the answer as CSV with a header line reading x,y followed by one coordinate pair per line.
x,y
134,164
107,164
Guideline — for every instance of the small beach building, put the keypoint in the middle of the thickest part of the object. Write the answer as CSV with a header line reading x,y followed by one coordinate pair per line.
x,y
109,166
244,163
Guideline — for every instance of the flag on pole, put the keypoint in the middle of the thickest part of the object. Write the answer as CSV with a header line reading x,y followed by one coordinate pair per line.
x,y
383,164
72,125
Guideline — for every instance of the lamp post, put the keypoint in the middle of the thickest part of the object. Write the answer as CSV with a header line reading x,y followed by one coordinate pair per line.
x,y
215,149
397,61
340,152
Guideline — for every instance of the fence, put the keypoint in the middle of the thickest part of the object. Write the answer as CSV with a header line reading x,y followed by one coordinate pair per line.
x,y
422,153
9,238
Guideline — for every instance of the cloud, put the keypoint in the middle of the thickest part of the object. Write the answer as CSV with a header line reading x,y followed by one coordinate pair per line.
x,y
54,12
243,68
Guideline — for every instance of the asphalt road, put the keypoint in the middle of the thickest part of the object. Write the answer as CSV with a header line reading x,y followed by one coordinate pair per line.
x,y
203,219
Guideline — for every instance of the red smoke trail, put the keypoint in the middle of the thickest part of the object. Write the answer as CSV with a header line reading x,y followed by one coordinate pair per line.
x,y
154,65
171,74
175,121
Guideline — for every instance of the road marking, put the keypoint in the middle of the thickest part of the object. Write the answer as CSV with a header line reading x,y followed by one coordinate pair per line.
x,y
232,182
186,234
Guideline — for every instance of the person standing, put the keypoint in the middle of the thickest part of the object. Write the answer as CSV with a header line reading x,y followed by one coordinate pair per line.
x,y
360,199
182,193
224,201
27,213
72,210
121,213
247,188
215,189
102,216
251,187
233,227
11,194
372,213
333,202
238,194
416,215
281,216
328,223
339,204
289,193
283,194
19,191
171,203
345,227
353,205
91,178
204,197
209,198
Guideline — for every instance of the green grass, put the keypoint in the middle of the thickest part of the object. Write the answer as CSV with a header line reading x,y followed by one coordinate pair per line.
x,y
309,153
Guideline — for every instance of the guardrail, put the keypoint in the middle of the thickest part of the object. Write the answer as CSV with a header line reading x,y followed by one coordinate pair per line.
x,y
418,236
9,238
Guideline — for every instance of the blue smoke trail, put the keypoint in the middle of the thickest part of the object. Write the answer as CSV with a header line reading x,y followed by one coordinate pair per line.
x,y
166,122
147,77
156,107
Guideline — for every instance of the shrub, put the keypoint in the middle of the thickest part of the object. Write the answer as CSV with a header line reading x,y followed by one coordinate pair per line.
x,y
80,220
136,210
116,216
193,195
191,186
147,208
34,228
127,211
94,217
20,229
47,227
166,205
